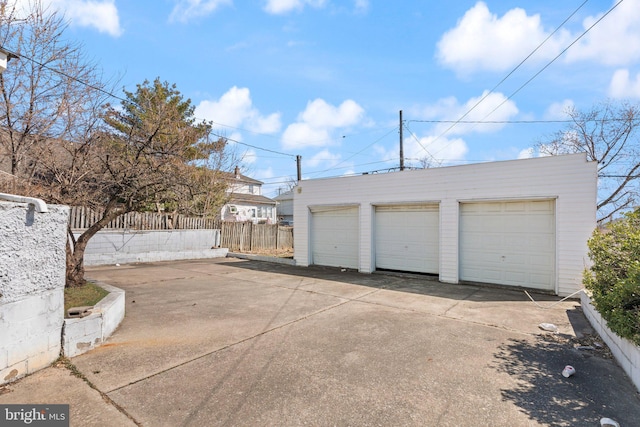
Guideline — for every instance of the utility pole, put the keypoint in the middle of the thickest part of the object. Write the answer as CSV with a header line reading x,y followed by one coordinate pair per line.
x,y
401,148
299,162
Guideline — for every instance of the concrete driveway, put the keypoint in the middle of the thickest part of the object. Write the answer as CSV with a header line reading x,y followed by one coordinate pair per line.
x,y
231,342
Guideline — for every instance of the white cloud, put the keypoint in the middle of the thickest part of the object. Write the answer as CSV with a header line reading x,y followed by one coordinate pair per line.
x,y
185,10
449,109
280,7
623,86
527,153
249,156
441,150
323,157
315,124
101,15
558,110
483,41
262,174
362,6
439,144
436,151
613,41
235,109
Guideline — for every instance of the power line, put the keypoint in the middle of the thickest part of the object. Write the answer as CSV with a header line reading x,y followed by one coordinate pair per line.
x,y
613,119
555,58
355,154
62,73
419,142
111,94
508,75
546,66
499,121
255,146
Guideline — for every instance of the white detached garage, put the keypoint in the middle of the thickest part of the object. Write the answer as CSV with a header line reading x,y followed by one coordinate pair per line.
x,y
522,223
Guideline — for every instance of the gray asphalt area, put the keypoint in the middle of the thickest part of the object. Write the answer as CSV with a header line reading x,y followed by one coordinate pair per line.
x,y
230,342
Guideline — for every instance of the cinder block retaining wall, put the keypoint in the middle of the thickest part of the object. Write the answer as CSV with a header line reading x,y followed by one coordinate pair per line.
x,y
627,354
32,277
126,246
83,334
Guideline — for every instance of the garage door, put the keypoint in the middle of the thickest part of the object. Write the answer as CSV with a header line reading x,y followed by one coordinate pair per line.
x,y
407,238
508,243
335,237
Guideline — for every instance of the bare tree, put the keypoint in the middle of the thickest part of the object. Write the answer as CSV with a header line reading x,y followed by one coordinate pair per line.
x,y
50,92
608,134
61,141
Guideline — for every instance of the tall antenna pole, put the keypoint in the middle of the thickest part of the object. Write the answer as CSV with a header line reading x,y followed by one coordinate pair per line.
x,y
401,148
299,161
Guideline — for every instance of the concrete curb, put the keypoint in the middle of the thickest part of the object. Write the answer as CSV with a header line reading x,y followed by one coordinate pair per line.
x,y
83,334
252,257
627,354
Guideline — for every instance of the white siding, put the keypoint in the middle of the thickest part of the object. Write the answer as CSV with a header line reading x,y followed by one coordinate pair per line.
x,y
570,180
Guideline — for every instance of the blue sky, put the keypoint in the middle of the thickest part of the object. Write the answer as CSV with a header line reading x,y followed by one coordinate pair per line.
x,y
325,79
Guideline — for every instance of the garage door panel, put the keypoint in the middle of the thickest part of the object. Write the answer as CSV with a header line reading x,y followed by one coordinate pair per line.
x,y
407,238
334,237
513,207
510,243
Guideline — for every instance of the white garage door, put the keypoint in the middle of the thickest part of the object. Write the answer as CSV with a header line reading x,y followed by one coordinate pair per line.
x,y
407,238
335,237
508,243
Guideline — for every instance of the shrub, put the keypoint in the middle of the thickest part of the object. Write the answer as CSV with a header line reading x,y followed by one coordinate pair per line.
x,y
614,277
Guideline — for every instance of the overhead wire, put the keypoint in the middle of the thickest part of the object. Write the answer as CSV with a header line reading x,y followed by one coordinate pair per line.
x,y
486,95
355,154
112,95
555,58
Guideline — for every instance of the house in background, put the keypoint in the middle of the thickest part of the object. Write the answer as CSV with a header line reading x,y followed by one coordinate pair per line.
x,y
246,202
285,207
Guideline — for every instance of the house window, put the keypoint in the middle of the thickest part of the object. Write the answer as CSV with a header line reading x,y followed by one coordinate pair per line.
x,y
250,188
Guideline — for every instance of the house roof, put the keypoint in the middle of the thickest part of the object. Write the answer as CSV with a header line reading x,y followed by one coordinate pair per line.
x,y
236,176
254,199
287,195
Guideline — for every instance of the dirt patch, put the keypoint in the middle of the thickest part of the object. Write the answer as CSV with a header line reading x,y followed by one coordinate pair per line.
x,y
280,253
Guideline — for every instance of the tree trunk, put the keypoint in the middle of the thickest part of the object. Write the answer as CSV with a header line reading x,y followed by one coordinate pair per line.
x,y
75,267
76,248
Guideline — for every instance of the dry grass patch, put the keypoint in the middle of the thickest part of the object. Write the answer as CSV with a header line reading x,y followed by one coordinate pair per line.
x,y
87,294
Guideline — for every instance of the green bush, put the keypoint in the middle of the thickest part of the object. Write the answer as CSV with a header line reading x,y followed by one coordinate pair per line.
x,y
614,277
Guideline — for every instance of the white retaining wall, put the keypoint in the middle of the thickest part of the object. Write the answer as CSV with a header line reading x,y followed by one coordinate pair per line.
x,y
83,334
627,354
126,246
32,278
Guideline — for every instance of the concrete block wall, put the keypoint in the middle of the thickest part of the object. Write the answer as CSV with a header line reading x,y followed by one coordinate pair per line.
x,y
83,334
125,246
626,353
32,277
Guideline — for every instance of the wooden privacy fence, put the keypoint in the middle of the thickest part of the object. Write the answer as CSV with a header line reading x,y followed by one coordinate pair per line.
x,y
246,236
237,236
82,218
